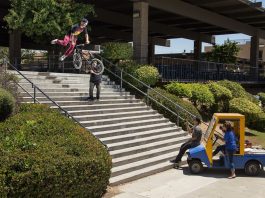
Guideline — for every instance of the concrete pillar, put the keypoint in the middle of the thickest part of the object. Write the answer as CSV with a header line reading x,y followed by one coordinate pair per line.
x,y
254,57
197,49
151,51
140,31
15,47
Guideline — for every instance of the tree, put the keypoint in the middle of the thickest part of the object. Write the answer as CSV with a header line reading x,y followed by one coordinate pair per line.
x,y
225,53
116,51
44,20
3,53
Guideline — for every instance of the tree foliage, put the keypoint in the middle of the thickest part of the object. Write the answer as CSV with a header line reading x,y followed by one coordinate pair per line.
x,y
43,20
116,51
225,53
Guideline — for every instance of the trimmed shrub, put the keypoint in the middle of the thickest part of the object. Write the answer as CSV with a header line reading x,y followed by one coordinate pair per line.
x,y
201,95
237,90
116,51
172,106
247,108
262,98
8,82
179,89
44,154
147,74
242,105
222,96
258,122
7,104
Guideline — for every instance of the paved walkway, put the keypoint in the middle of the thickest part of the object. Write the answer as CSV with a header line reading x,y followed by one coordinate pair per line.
x,y
180,184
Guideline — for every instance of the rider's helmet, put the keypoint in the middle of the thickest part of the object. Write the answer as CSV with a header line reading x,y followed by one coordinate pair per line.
x,y
84,21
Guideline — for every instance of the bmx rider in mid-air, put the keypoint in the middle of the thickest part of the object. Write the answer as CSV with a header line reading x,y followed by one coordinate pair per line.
x,y
71,37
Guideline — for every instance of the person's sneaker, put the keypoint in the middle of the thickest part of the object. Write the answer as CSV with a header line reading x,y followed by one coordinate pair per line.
x,y
62,58
53,42
177,165
90,99
172,161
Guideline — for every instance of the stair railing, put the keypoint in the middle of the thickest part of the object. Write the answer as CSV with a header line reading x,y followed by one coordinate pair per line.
x,y
37,89
120,75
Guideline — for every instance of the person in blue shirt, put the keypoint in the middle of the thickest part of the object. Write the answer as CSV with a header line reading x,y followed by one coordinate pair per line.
x,y
230,146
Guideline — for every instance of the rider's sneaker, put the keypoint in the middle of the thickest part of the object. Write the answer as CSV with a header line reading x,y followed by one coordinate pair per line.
x,y
62,58
53,42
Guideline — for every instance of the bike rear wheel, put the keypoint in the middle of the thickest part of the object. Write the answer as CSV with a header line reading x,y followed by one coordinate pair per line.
x,y
77,60
97,66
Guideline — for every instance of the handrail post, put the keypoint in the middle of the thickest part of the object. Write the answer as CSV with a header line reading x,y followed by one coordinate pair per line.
x,y
34,94
63,67
5,65
147,95
121,79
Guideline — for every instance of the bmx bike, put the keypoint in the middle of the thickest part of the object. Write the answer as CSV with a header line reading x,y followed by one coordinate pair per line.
x,y
94,64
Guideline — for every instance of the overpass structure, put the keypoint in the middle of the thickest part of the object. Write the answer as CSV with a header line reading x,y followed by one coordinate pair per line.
x,y
152,22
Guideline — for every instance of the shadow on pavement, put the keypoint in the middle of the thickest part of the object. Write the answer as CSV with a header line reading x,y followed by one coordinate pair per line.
x,y
217,173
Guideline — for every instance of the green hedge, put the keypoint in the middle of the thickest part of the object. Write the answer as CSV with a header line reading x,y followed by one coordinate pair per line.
x,y
179,89
222,96
117,51
258,122
201,95
147,74
7,104
237,90
44,154
262,98
172,106
252,111
8,82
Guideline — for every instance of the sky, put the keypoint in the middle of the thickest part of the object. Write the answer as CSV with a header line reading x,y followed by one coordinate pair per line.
x,y
179,45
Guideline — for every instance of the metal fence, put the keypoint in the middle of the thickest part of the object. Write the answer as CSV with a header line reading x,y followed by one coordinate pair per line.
x,y
176,69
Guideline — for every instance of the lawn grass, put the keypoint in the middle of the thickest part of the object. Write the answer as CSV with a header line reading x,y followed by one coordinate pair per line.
x,y
255,137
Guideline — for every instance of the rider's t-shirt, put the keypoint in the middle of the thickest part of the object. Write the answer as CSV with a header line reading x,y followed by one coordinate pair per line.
x,y
76,30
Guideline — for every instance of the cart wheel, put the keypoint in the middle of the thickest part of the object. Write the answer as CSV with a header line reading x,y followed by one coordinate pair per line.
x,y
195,166
252,168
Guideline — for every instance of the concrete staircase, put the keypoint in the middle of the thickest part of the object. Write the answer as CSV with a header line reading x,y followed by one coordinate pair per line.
x,y
140,141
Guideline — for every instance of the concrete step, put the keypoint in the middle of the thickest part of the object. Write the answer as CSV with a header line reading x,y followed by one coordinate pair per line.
x,y
78,98
75,85
139,135
132,130
58,82
109,121
100,106
95,112
120,170
147,147
104,94
120,161
126,125
73,102
33,73
85,117
138,174
69,89
143,141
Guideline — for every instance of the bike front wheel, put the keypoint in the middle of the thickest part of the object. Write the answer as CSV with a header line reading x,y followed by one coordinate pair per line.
x,y
77,60
97,66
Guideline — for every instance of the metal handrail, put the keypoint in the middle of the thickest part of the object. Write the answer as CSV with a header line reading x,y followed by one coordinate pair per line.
x,y
148,96
35,87
148,87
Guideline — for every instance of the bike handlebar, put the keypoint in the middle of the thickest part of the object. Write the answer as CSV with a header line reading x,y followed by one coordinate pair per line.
x,y
81,45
